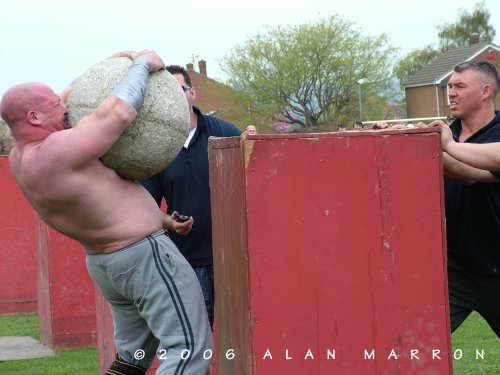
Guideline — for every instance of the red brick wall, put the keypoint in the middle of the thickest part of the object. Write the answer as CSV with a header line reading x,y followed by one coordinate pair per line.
x,y
421,101
212,95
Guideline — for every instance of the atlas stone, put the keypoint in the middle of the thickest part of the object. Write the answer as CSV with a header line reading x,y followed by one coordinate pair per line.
x,y
6,140
159,131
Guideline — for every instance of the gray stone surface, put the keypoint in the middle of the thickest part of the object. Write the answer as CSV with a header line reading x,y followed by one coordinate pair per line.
x,y
6,140
22,347
158,133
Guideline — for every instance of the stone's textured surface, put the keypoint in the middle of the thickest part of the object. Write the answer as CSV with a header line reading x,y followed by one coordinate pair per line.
x,y
158,133
6,140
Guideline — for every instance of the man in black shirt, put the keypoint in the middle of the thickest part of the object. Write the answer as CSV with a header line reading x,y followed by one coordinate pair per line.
x,y
472,193
185,186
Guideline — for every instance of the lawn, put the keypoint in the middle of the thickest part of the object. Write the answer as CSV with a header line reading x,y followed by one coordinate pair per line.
x,y
474,334
65,362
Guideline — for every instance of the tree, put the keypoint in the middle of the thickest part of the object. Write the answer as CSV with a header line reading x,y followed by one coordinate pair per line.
x,y
457,34
307,74
413,62
450,36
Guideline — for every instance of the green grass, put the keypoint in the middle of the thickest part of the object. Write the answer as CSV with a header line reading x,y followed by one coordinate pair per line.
x,y
473,334
19,325
65,361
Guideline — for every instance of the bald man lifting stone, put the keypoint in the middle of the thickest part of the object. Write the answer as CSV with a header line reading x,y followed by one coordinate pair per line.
x,y
154,295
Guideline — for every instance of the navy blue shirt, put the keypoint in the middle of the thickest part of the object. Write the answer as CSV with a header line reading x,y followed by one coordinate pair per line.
x,y
473,213
185,186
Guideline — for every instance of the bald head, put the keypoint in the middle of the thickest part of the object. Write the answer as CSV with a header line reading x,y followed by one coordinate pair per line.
x,y
20,99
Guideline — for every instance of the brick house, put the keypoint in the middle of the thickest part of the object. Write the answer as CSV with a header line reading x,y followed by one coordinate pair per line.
x,y
215,98
427,90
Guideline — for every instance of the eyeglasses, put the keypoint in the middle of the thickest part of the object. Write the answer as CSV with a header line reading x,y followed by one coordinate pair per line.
x,y
185,88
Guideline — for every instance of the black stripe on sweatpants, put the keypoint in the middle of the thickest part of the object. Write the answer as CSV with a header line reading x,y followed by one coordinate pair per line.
x,y
179,307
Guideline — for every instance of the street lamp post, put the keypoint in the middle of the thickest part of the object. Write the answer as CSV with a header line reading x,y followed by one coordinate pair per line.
x,y
360,82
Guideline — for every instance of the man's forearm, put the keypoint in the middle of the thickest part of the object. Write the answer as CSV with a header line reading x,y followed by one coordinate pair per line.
x,y
132,87
484,156
168,222
456,170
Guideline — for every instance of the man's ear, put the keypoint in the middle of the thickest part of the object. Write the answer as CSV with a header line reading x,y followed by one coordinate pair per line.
x,y
487,91
33,118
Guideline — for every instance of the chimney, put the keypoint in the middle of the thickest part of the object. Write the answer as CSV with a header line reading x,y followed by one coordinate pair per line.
x,y
189,67
202,65
474,38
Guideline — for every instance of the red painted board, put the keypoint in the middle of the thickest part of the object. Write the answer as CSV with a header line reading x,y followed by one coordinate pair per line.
x,y
332,260
66,296
18,290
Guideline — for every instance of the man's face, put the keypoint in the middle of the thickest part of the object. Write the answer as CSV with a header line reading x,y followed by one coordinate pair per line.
x,y
54,110
465,93
188,91
251,130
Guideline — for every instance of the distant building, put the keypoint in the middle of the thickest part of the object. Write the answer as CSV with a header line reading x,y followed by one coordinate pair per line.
x,y
427,90
215,98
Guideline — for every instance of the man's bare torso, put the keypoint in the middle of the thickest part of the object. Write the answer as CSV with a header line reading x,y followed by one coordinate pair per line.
x,y
87,202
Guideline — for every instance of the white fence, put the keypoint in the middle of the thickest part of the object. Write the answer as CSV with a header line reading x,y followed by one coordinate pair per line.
x,y
407,120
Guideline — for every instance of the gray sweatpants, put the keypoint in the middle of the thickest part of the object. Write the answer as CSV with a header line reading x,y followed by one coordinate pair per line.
x,y
157,306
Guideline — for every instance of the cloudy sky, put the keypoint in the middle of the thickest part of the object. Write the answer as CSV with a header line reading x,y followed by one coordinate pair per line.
x,y
54,41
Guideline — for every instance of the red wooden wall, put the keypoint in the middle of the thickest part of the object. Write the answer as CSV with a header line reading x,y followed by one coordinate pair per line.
x,y
66,294
17,247
327,246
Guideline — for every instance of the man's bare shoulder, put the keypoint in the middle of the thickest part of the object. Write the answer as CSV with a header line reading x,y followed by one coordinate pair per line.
x,y
58,149
14,161
35,162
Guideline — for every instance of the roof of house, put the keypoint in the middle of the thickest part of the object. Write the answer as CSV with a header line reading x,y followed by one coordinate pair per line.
x,y
215,98
442,65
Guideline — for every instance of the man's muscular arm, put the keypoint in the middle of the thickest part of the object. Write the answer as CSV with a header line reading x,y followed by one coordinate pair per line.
x,y
458,171
94,135
483,156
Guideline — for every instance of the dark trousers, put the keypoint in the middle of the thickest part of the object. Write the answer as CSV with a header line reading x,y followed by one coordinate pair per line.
x,y
470,292
205,276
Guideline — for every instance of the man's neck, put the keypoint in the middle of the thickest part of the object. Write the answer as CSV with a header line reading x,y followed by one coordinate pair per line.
x,y
24,135
193,120
475,122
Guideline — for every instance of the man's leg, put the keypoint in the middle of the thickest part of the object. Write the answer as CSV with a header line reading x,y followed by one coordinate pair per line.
x,y
462,294
205,276
122,367
153,292
131,332
489,301
172,304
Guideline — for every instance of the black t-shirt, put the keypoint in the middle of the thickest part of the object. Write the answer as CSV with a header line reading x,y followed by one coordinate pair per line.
x,y
185,186
473,213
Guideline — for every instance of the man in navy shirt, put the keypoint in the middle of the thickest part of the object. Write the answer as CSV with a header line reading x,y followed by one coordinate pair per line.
x,y
185,186
472,193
